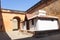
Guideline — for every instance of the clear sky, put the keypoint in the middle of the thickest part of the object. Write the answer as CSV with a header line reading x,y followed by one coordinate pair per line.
x,y
22,5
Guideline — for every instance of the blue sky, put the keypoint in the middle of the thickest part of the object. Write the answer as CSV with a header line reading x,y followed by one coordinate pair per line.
x,y
22,5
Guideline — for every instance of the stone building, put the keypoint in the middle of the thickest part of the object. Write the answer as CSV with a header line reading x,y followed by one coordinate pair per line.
x,y
12,20
51,8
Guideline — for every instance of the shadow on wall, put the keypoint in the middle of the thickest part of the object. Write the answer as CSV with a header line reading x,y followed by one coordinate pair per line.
x,y
2,27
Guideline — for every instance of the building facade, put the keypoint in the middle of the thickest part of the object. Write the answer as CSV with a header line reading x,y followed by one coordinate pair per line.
x,y
51,8
12,20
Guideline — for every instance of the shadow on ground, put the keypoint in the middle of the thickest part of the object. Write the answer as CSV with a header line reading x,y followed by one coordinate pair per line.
x,y
4,36
52,35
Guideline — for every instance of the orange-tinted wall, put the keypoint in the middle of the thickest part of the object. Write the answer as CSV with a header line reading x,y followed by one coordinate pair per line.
x,y
8,17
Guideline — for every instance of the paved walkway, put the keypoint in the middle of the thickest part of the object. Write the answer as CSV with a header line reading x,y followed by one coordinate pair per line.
x,y
14,35
18,35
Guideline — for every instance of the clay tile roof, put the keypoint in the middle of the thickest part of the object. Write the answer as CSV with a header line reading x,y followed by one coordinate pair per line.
x,y
29,16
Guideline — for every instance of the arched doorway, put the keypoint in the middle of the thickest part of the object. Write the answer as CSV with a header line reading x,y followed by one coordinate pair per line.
x,y
16,23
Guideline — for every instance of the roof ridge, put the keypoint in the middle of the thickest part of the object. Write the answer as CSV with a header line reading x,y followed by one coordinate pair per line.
x,y
12,10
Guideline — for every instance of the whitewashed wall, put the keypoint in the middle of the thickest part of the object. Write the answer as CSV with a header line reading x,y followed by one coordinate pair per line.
x,y
43,25
24,26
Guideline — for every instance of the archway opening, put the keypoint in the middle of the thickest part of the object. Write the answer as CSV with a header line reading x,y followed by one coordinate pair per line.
x,y
16,23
